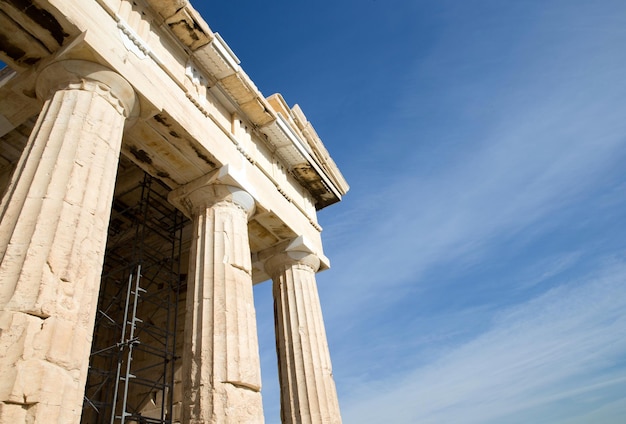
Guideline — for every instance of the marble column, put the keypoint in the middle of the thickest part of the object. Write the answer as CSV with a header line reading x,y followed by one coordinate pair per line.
x,y
308,393
53,229
221,365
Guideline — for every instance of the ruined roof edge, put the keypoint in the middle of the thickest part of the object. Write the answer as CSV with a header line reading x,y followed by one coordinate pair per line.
x,y
211,52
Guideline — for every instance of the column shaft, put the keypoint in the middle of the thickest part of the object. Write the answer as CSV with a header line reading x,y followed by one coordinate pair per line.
x,y
221,365
308,393
53,229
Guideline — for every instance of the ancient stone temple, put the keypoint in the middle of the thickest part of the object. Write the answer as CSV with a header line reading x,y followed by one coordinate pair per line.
x,y
147,185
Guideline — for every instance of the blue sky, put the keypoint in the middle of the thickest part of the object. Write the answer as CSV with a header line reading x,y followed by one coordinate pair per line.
x,y
479,260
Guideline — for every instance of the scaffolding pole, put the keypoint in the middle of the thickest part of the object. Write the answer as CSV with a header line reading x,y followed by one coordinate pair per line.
x,y
133,361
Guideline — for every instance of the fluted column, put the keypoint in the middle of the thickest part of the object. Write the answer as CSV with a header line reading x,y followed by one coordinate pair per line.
x,y
308,393
53,229
221,365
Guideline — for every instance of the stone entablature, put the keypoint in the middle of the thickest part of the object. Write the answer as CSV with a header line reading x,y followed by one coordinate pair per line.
x,y
196,99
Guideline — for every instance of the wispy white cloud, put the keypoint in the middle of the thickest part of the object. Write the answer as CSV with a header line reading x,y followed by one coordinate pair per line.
x,y
549,267
542,156
508,186
557,350
549,142
529,144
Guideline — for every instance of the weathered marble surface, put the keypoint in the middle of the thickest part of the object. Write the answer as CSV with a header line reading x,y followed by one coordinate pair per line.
x,y
308,393
221,365
54,217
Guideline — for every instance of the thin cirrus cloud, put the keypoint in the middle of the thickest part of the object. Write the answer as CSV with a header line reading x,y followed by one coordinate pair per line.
x,y
508,183
559,351
539,176
552,135
484,144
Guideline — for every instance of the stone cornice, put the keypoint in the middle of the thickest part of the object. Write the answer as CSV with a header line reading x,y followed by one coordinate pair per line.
x,y
294,140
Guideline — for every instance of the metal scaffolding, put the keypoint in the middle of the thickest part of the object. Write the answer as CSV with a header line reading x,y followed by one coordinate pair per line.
x,y
133,359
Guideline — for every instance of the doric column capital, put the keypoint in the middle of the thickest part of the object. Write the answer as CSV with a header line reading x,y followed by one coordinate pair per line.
x,y
279,263
191,199
88,76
